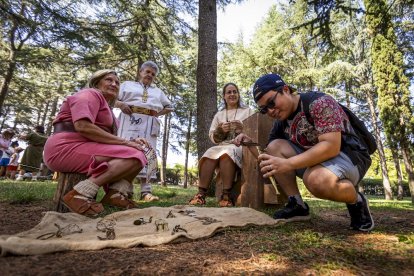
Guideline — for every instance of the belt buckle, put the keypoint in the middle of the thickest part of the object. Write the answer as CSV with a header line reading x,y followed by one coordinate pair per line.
x,y
137,109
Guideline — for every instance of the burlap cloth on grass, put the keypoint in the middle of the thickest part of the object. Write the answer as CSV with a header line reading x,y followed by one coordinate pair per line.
x,y
131,228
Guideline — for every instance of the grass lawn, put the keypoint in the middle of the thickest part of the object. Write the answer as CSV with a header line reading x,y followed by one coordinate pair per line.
x,y
27,191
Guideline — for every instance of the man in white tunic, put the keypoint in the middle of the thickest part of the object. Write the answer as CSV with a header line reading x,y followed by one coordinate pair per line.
x,y
141,104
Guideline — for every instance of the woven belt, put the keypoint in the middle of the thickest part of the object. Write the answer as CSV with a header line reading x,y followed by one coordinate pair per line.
x,y
63,127
141,110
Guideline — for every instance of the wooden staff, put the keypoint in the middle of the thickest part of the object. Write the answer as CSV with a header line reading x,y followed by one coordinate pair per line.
x,y
260,151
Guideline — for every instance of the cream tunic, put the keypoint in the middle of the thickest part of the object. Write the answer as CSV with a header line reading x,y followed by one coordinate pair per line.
x,y
235,153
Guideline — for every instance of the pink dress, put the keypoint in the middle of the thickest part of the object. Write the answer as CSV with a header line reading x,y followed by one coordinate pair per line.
x,y
70,151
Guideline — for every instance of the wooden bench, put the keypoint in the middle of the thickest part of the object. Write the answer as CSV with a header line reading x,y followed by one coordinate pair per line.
x,y
66,181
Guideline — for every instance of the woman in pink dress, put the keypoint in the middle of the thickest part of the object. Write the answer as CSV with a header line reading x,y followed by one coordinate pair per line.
x,y
85,141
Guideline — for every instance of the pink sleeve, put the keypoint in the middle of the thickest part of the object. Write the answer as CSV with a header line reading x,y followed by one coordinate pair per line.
x,y
85,105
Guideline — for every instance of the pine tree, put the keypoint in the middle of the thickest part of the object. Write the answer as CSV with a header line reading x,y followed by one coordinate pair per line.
x,y
392,84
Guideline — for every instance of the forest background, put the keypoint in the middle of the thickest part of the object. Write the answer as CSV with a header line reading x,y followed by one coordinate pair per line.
x,y
361,52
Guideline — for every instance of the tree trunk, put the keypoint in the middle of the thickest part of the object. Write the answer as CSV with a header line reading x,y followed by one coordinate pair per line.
x,y
396,159
3,122
164,153
143,42
7,80
206,72
187,148
43,121
39,115
52,114
384,170
163,170
408,168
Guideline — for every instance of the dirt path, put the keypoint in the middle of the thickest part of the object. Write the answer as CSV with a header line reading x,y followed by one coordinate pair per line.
x,y
321,246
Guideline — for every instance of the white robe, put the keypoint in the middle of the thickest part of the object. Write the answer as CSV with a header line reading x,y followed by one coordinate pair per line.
x,y
141,125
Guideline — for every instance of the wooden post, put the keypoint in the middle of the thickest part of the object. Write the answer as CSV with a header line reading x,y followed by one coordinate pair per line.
x,y
258,127
66,181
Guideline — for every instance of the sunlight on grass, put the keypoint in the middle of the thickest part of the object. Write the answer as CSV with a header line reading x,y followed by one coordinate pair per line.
x,y
408,239
375,203
25,191
272,257
330,268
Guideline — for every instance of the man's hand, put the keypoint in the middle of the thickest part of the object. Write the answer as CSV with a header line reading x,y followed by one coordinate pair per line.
x,y
271,165
125,108
241,138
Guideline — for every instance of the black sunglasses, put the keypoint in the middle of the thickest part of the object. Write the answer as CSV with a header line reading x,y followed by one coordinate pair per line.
x,y
270,104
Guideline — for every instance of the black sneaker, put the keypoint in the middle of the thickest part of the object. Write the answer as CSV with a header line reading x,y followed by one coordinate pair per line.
x,y
292,211
361,218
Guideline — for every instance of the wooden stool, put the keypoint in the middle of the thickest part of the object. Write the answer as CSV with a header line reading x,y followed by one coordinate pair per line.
x,y
257,191
66,181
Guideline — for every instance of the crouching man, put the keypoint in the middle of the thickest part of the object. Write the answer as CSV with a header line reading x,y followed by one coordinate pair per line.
x,y
313,149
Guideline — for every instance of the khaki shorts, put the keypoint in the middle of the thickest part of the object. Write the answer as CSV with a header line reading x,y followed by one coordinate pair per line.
x,y
341,166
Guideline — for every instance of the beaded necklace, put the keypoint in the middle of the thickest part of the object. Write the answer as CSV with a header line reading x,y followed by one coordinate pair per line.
x,y
234,118
145,94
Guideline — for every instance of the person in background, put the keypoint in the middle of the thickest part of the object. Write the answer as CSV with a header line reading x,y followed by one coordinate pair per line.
x,y
14,162
320,152
141,104
5,151
225,158
33,154
85,141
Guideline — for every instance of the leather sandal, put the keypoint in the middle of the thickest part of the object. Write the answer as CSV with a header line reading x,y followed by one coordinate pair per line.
x,y
80,204
198,199
226,201
148,197
115,198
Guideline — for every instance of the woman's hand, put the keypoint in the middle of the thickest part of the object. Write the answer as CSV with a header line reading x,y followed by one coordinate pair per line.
x,y
271,165
142,142
138,143
241,138
125,108
225,127
237,126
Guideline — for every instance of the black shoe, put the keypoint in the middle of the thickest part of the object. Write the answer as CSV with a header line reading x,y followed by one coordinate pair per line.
x,y
361,218
292,211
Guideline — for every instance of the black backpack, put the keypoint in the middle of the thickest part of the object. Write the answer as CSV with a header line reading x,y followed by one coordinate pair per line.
x,y
359,127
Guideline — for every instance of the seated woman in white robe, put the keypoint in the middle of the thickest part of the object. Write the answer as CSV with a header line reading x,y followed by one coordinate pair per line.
x,y
225,157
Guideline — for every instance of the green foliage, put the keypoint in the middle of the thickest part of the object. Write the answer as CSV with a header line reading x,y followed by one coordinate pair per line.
x,y
394,97
175,175
374,186
67,43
